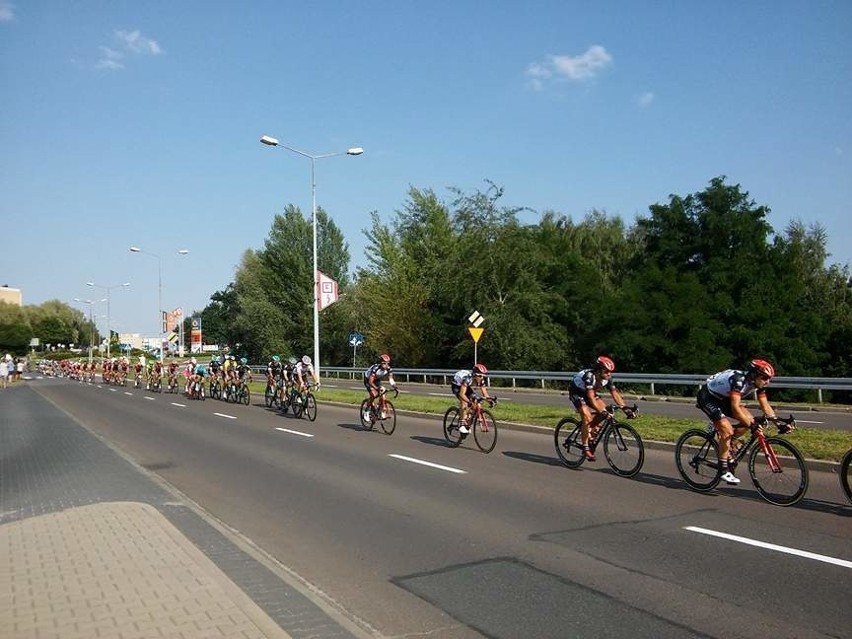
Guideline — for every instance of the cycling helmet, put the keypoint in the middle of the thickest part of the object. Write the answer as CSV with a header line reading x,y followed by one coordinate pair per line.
x,y
193,361
243,360
761,367
306,360
480,369
292,361
385,358
605,363
276,358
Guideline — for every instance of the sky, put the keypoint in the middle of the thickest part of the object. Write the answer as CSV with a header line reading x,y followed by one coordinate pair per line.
x,y
127,123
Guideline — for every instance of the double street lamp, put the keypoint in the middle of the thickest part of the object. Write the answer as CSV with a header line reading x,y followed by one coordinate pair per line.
x,y
136,249
109,325
91,304
270,141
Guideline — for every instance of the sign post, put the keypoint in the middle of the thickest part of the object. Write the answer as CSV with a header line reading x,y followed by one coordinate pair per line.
x,y
475,329
355,340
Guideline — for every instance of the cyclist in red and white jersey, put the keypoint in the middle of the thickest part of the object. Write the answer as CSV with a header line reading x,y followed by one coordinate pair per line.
x,y
462,387
373,377
583,393
721,399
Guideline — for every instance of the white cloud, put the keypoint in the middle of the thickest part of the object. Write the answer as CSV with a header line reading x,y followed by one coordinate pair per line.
x,y
137,43
129,43
7,11
110,59
645,100
572,68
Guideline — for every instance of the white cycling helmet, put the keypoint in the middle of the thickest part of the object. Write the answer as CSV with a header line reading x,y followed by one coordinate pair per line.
x,y
306,360
193,361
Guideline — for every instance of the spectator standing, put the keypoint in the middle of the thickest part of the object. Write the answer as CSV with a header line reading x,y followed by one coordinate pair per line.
x,y
4,373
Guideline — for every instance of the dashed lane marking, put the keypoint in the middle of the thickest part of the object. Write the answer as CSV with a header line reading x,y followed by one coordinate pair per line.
x,y
294,432
224,415
775,547
413,460
178,405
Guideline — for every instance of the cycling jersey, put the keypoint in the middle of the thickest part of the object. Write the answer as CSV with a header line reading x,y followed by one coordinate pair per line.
x,y
303,369
201,370
731,382
378,372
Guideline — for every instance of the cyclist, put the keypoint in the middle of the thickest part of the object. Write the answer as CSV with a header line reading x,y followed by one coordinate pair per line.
x,y
462,387
214,367
242,373
373,377
273,374
583,393
301,371
198,375
720,398
172,375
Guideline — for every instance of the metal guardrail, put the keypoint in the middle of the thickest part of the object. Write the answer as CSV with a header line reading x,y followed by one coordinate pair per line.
x,y
542,378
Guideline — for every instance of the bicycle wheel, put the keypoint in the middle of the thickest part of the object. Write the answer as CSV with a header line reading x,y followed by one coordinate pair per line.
x,y
310,407
296,402
567,440
786,483
367,424
697,459
846,474
268,396
387,418
245,395
485,431
451,427
624,450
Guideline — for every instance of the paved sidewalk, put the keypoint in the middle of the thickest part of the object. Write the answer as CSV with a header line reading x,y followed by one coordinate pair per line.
x,y
92,545
117,569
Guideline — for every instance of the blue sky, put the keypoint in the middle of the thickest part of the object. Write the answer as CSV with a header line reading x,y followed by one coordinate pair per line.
x,y
138,123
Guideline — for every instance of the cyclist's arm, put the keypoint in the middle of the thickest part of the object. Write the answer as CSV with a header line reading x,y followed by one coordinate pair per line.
x,y
463,398
616,396
763,402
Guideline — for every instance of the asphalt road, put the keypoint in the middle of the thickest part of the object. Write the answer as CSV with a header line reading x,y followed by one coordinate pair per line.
x,y
412,538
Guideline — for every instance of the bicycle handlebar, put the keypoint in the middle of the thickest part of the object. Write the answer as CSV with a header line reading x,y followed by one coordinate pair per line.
x,y
629,411
784,425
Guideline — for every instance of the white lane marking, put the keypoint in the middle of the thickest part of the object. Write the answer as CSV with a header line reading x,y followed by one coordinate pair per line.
x,y
224,415
178,405
449,469
439,394
805,421
763,544
113,390
150,399
128,393
294,432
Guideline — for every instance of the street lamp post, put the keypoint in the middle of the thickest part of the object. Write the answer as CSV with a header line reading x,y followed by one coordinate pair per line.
x,y
109,326
91,304
270,141
136,249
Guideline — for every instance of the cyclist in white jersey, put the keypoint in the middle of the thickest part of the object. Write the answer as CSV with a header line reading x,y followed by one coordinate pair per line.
x,y
462,387
301,371
721,399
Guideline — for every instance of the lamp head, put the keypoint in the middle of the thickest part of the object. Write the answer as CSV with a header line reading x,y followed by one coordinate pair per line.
x,y
269,141
355,151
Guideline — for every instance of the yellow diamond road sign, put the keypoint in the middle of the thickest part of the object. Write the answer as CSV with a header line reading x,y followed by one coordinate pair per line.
x,y
475,333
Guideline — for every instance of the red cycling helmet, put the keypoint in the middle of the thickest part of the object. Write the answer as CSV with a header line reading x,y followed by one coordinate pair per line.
x,y
761,367
605,363
385,358
480,369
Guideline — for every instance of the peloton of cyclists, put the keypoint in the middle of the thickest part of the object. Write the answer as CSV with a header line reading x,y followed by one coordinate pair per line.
x,y
720,398
462,387
373,378
583,393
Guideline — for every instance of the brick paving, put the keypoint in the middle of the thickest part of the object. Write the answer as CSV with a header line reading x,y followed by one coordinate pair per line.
x,y
93,546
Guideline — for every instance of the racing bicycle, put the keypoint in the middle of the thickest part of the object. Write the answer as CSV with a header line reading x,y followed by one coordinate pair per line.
x,y
304,403
622,445
776,467
846,474
381,411
481,424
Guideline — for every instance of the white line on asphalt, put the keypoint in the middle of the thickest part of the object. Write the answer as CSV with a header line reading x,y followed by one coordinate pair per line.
x,y
224,415
151,399
178,405
439,394
804,421
763,544
128,393
113,390
293,432
430,464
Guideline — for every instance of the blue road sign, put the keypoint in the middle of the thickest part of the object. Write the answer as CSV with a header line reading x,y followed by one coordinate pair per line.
x,y
356,339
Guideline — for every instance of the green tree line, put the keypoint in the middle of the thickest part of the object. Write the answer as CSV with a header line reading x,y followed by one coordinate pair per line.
x,y
700,283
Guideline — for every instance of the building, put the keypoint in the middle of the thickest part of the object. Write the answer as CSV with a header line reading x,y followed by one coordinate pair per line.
x,y
11,295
